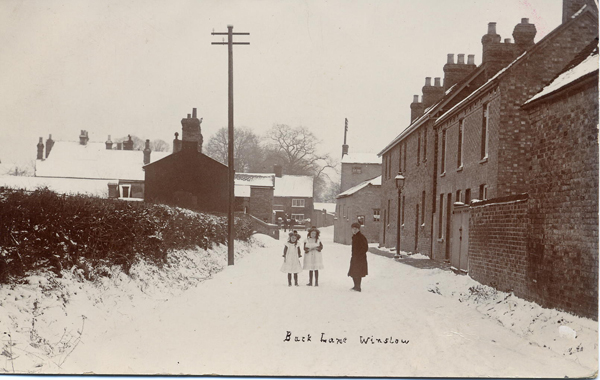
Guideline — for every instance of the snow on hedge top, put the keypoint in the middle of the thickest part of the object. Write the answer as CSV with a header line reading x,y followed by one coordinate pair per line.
x,y
294,186
97,188
361,158
587,66
373,182
69,159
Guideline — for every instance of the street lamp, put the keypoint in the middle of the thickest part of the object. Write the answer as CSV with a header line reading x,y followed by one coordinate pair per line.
x,y
399,185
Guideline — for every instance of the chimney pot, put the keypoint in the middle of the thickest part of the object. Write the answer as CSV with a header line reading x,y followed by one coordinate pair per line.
x,y
194,113
189,116
491,28
471,59
461,59
524,21
450,59
427,81
438,82
415,98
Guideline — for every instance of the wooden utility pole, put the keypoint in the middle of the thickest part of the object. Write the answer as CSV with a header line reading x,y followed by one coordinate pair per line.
x,y
230,161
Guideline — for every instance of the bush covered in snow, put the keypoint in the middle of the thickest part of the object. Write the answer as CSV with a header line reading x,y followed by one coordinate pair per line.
x,y
42,230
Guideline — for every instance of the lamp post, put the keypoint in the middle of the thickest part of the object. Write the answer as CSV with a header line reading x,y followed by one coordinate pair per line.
x,y
399,185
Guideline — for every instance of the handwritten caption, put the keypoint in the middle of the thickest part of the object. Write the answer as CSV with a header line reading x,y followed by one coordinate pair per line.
x,y
289,337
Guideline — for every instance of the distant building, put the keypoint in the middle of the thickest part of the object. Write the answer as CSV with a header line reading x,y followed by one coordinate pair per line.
x,y
323,214
293,196
360,198
99,168
254,194
187,177
359,204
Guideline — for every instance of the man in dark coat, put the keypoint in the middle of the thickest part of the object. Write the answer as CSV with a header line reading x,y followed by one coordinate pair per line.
x,y
358,262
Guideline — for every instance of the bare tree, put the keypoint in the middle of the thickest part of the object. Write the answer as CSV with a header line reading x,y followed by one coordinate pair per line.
x,y
159,145
247,150
296,149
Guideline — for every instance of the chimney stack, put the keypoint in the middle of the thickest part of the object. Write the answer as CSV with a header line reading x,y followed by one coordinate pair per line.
x,y
147,152
416,109
49,145
40,149
524,34
455,72
109,143
83,137
119,146
278,170
128,145
176,143
191,133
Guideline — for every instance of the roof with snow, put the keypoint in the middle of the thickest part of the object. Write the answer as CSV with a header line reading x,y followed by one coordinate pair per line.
x,y
588,66
69,159
294,186
371,182
255,179
329,207
361,158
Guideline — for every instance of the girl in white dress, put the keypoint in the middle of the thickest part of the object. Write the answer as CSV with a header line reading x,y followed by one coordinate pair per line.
x,y
291,262
313,258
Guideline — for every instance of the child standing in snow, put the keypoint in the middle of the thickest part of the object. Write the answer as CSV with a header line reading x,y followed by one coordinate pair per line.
x,y
291,262
313,259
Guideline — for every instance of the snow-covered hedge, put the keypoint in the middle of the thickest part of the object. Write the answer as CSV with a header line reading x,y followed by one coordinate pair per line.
x,y
42,230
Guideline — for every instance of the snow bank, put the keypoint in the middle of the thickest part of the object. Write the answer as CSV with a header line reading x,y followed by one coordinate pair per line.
x,y
44,318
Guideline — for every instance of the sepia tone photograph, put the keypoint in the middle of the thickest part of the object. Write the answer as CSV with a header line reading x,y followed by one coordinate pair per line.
x,y
339,188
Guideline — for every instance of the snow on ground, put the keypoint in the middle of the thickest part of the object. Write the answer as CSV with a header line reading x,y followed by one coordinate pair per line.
x,y
407,322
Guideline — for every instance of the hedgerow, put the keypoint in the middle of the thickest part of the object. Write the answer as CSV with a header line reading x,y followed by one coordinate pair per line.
x,y
46,230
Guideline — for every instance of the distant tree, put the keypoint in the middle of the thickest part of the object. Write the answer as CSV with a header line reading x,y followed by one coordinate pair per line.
x,y
139,144
21,169
159,145
296,150
326,190
247,150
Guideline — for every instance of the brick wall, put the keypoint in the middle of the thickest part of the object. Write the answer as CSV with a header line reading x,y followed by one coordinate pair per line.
x,y
498,244
285,204
564,201
260,204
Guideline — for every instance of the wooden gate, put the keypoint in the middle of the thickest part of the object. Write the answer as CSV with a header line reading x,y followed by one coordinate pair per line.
x,y
459,257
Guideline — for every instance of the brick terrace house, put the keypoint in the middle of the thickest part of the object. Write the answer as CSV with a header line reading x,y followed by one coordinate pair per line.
x,y
360,204
187,177
407,214
105,169
484,142
484,147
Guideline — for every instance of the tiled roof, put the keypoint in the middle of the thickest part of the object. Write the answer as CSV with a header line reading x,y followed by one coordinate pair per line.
x,y
255,179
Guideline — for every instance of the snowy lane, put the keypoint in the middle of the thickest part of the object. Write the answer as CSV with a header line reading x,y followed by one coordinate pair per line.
x,y
237,324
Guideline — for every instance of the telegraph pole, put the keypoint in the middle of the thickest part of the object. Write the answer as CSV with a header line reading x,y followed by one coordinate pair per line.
x,y
230,161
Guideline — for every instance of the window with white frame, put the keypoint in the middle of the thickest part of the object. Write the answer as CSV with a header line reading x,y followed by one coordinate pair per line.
x,y
298,217
376,215
297,202
443,155
460,149
485,131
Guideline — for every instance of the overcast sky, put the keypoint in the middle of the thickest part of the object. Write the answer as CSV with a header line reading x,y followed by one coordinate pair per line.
x,y
138,67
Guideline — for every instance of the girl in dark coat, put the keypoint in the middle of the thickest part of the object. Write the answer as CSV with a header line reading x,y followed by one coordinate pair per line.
x,y
358,262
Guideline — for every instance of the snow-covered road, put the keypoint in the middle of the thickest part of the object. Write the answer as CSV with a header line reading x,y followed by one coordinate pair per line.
x,y
237,322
